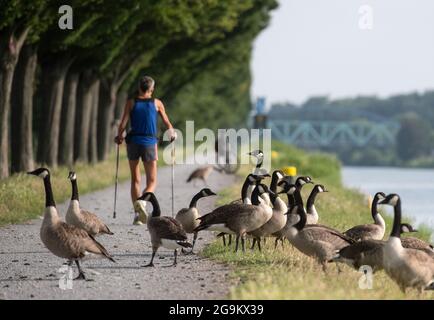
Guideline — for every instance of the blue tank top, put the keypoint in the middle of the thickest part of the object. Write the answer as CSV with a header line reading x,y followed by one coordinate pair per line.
x,y
143,122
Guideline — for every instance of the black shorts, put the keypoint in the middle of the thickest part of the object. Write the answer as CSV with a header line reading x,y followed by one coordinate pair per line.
x,y
146,153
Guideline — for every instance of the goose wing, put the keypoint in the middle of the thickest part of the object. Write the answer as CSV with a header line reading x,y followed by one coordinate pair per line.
x,y
354,250
421,260
94,223
360,231
77,241
223,213
168,228
330,231
415,243
335,238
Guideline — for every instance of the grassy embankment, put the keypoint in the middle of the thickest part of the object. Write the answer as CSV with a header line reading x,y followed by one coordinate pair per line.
x,y
288,274
21,195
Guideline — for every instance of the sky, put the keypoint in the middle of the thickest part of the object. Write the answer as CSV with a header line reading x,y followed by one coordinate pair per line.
x,y
329,47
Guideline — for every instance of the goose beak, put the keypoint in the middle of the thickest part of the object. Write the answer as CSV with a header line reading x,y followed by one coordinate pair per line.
x,y
382,201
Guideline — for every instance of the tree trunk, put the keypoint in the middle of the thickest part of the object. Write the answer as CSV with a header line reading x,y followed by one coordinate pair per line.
x,y
82,123
106,115
22,111
10,47
53,85
66,150
93,129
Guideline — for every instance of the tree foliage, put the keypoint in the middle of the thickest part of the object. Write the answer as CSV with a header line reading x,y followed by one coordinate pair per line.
x,y
198,52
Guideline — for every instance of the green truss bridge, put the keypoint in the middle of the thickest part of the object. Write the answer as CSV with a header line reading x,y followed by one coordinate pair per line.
x,y
316,133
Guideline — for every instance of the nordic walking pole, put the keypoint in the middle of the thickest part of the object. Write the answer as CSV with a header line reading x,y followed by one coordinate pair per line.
x,y
173,178
116,180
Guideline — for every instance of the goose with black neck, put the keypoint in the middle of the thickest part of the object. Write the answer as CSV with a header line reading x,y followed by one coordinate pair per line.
x,y
64,240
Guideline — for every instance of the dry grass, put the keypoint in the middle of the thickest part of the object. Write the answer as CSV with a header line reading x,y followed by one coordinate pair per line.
x,y
288,274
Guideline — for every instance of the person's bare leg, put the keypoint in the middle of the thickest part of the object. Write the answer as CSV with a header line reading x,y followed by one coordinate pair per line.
x,y
151,175
135,179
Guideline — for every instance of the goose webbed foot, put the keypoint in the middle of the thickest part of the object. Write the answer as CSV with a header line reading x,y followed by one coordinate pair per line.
x,y
150,264
80,276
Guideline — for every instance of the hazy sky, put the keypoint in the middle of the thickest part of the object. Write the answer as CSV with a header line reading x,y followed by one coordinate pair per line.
x,y
315,47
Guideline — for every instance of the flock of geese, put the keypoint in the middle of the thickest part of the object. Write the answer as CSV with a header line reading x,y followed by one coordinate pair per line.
x,y
258,215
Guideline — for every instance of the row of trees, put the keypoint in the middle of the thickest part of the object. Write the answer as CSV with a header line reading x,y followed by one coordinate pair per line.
x,y
61,90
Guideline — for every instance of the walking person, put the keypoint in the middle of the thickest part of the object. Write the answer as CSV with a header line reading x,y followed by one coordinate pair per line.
x,y
142,113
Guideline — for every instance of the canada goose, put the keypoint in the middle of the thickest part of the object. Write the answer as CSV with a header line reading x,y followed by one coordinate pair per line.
x,y
188,216
368,252
313,240
312,214
246,193
292,217
278,219
64,240
81,218
201,173
247,188
164,231
374,230
415,243
259,155
239,218
407,267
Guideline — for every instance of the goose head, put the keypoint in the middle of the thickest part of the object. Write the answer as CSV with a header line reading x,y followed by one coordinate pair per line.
x,y
379,196
320,188
72,176
263,192
40,172
287,188
391,200
258,154
206,192
303,180
406,228
150,196
257,178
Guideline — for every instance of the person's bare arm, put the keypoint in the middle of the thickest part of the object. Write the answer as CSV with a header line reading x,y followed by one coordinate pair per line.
x,y
124,121
165,119
163,114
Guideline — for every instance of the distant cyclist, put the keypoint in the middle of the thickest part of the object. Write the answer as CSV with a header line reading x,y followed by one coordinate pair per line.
x,y
141,140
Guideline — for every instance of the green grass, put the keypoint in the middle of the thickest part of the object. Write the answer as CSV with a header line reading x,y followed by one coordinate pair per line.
x,y
288,274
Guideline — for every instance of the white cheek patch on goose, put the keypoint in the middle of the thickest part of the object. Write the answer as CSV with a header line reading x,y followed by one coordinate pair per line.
x,y
394,201
320,189
43,174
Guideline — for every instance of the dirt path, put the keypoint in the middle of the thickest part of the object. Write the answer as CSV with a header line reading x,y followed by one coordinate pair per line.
x,y
29,271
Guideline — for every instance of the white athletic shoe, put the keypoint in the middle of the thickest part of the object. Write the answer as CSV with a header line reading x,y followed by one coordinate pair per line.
x,y
141,215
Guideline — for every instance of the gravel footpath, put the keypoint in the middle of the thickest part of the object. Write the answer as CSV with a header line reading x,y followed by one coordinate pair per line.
x,y
29,271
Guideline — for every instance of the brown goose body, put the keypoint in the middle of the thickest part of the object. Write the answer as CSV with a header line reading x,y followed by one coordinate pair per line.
x,y
201,173
80,218
63,240
276,222
85,220
409,268
374,231
67,241
415,243
164,231
188,217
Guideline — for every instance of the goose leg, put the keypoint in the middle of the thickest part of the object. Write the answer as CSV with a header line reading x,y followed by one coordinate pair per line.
x,y
230,240
236,243
175,261
151,264
243,242
224,240
81,275
253,244
259,244
194,241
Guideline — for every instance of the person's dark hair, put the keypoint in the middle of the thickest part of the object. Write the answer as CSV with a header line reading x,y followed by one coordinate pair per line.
x,y
146,83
